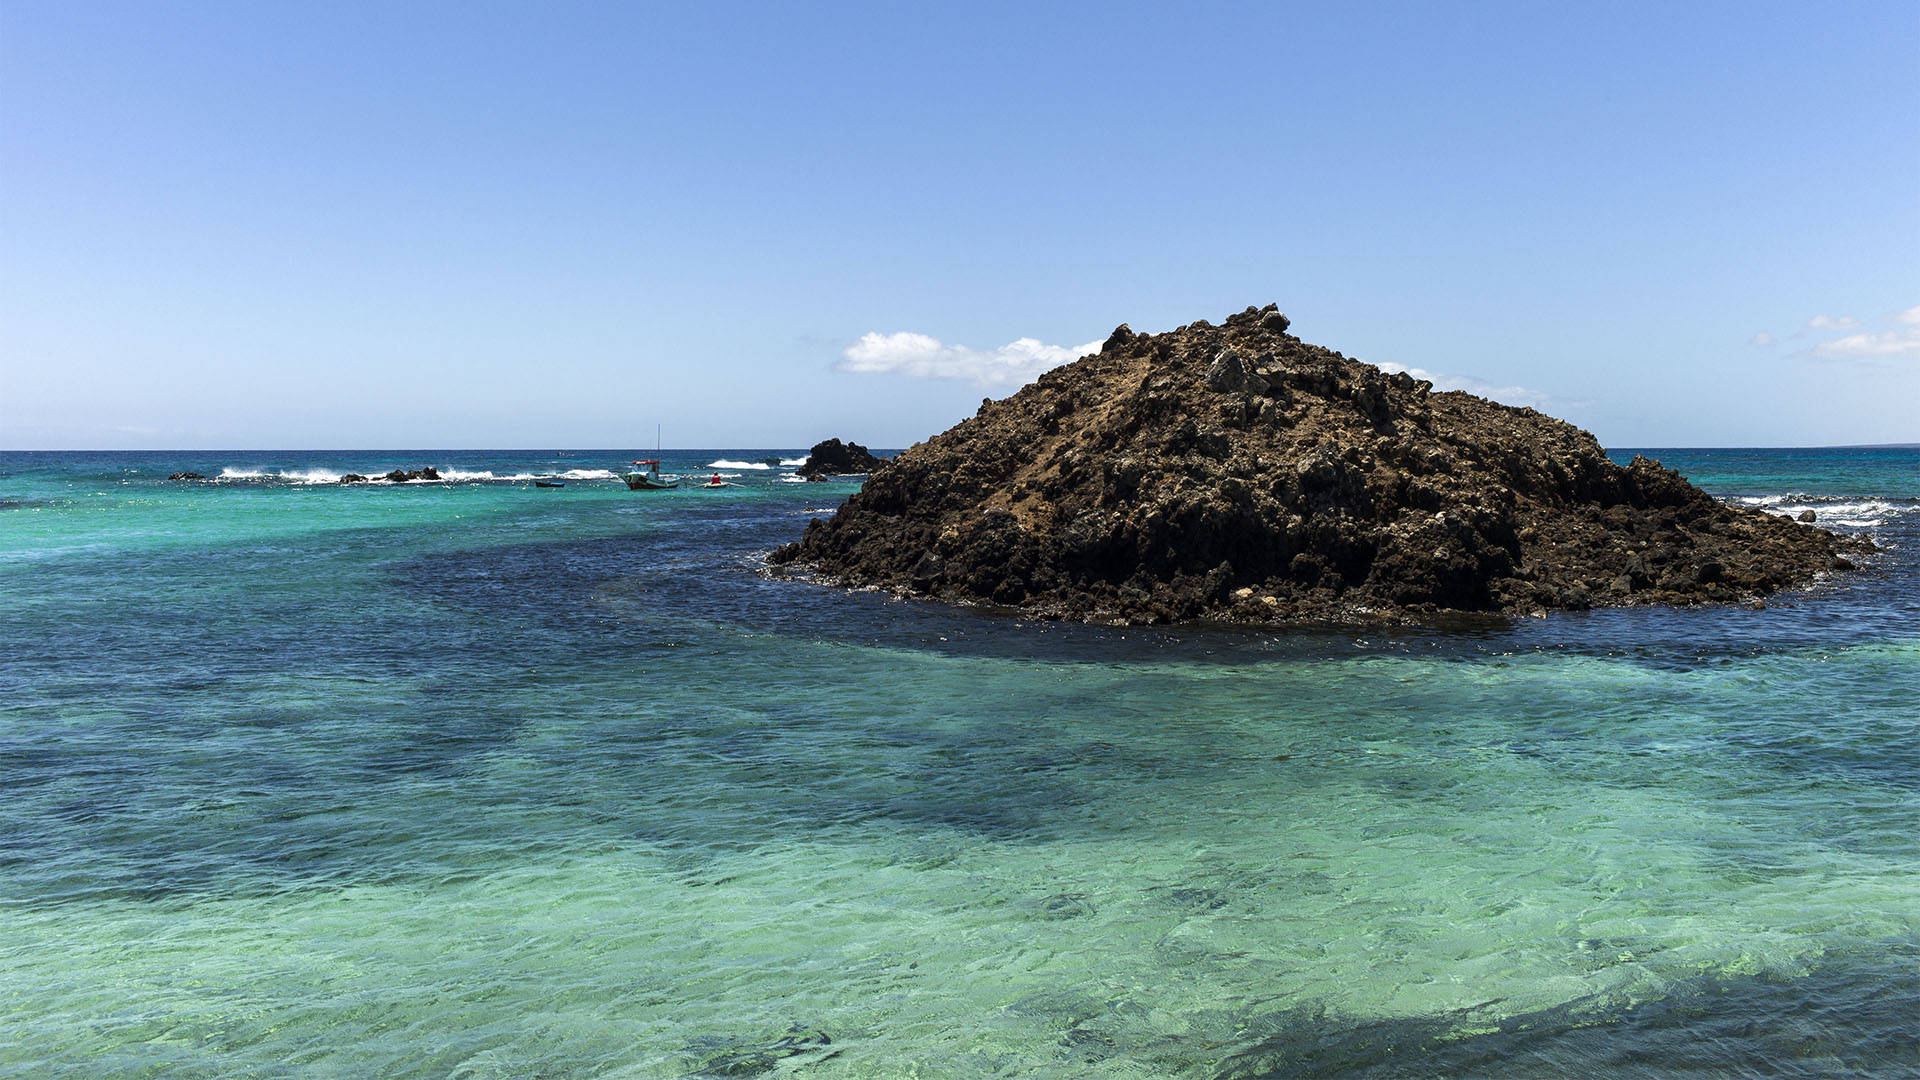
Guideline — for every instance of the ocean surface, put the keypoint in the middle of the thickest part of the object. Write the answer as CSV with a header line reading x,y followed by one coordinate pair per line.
x,y
478,779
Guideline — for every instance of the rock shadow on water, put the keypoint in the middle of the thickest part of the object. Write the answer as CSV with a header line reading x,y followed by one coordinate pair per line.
x,y
1849,1017
1656,638
799,1047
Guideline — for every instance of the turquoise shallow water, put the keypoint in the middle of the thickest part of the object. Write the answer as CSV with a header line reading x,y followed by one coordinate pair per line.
x,y
479,779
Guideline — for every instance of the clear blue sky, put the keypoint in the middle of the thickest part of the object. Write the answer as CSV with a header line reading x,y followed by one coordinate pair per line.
x,y
491,224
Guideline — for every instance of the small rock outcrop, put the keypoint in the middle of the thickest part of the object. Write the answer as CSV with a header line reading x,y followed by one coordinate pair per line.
x,y
1237,473
835,458
401,476
353,478
186,476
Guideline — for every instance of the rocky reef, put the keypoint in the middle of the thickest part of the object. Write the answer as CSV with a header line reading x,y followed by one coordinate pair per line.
x,y
835,458
1237,473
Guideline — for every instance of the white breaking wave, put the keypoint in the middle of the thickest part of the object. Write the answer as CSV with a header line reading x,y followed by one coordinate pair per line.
x,y
485,475
723,463
1856,514
793,462
1852,509
291,476
447,475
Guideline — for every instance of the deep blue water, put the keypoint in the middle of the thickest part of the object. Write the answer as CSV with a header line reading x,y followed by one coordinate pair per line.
x,y
482,779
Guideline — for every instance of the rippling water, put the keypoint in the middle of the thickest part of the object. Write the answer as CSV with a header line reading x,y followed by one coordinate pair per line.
x,y
478,779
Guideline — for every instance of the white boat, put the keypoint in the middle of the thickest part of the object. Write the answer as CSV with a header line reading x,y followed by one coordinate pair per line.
x,y
646,477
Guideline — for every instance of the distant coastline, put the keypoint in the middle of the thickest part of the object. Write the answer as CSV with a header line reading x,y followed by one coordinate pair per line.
x,y
1839,446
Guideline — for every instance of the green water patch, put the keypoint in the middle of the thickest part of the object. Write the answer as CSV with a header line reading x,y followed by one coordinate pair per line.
x,y
1232,957
88,521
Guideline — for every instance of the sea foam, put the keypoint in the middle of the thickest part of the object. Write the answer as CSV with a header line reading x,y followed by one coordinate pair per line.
x,y
1829,510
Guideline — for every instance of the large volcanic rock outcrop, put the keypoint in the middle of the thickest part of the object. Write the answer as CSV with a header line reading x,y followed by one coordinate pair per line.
x,y
1235,472
835,458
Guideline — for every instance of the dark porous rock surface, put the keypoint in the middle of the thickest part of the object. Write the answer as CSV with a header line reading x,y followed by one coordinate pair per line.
x,y
1237,473
353,478
186,476
401,476
835,458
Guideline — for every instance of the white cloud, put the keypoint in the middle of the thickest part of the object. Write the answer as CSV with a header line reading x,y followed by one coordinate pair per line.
x,y
1887,343
1014,364
1763,340
1899,343
1833,322
1506,395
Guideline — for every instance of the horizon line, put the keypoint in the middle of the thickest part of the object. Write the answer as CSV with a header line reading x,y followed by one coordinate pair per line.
x,y
624,449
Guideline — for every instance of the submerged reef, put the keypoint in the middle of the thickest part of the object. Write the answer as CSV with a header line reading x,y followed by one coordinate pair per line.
x,y
1236,473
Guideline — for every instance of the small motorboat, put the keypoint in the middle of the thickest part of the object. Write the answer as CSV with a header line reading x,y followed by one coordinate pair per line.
x,y
646,477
